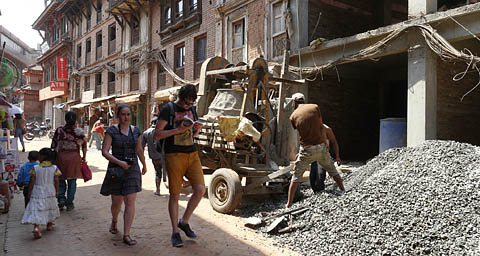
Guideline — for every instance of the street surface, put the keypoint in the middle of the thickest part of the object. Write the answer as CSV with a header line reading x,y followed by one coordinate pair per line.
x,y
84,231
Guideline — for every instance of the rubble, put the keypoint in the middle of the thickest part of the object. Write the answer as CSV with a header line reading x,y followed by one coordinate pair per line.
x,y
417,200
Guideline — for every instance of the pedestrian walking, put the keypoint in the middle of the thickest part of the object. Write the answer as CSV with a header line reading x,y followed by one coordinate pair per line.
x,y
97,133
307,119
123,179
147,140
67,141
177,125
42,208
19,129
23,178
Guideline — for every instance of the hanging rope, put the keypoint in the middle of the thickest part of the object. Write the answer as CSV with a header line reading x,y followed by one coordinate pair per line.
x,y
435,42
163,61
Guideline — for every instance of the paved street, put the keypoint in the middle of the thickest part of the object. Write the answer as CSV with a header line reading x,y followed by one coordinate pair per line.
x,y
84,231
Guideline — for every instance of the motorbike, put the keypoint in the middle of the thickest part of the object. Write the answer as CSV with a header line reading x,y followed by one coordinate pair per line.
x,y
34,129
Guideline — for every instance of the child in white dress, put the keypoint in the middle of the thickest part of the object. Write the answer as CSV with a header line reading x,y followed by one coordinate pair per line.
x,y
42,209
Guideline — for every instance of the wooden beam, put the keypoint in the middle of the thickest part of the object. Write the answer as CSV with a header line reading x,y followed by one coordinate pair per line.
x,y
41,35
118,20
134,13
81,10
93,5
139,4
125,18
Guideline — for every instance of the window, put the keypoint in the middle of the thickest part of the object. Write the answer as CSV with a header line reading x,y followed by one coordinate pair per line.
x,y
79,28
87,84
47,76
200,54
64,26
79,55
111,83
77,90
193,5
54,71
238,41
135,35
180,56
162,75
134,81
98,42
278,21
279,37
179,8
238,33
98,85
88,51
89,19
112,36
168,15
99,11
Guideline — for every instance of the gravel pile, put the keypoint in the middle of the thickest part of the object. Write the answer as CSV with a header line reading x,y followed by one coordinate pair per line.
x,y
408,201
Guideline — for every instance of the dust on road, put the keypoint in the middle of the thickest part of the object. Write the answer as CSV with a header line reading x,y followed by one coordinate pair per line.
x,y
84,231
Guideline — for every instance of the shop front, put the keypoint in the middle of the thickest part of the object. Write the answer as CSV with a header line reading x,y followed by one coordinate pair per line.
x,y
138,107
53,96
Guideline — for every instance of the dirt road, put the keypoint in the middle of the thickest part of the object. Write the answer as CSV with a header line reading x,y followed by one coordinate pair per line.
x,y
84,231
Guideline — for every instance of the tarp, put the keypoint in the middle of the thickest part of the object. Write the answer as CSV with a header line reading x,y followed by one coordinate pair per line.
x,y
233,127
80,105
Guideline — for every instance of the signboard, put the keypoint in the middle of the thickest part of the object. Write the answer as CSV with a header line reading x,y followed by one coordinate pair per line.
x,y
58,86
46,93
87,96
62,72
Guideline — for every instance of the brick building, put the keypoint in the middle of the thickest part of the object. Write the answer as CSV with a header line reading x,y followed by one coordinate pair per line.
x,y
29,94
57,35
184,34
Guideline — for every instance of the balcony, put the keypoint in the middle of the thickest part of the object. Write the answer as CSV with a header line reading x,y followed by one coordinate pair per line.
x,y
117,6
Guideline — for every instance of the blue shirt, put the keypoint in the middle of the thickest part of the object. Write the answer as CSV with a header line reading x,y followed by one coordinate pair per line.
x,y
23,177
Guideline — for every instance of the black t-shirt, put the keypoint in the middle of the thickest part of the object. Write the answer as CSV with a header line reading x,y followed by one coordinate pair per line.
x,y
182,142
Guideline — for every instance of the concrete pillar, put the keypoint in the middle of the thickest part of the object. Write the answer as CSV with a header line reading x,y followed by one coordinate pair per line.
x,y
422,92
421,7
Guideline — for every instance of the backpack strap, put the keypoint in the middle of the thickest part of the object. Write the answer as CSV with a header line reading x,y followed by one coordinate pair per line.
x,y
194,112
171,115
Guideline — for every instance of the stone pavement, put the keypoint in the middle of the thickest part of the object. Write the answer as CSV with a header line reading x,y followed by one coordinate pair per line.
x,y
84,231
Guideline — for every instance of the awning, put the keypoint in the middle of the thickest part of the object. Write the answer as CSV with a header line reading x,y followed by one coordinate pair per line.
x,y
165,94
81,105
130,99
101,99
70,102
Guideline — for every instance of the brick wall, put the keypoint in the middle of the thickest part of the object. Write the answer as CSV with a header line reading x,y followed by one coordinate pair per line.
x,y
457,120
188,38
350,108
32,107
340,18
256,29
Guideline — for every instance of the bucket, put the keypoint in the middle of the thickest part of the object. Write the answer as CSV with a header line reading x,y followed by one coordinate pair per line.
x,y
393,133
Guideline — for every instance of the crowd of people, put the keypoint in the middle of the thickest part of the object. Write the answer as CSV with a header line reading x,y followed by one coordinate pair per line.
x,y
49,177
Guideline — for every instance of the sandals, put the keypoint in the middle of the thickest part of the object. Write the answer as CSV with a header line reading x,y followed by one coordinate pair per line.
x,y
128,240
113,228
36,233
50,226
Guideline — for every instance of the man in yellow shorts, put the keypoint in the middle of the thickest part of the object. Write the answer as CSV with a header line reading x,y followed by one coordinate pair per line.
x,y
177,125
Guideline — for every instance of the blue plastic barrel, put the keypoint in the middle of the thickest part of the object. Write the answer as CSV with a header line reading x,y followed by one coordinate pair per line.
x,y
393,133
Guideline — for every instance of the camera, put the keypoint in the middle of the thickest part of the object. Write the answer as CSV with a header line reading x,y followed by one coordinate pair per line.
x,y
130,160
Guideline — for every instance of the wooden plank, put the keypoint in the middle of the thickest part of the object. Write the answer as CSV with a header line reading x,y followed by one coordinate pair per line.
x,y
227,70
271,176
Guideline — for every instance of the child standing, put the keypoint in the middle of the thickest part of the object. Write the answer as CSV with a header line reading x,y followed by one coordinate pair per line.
x,y
42,208
23,177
